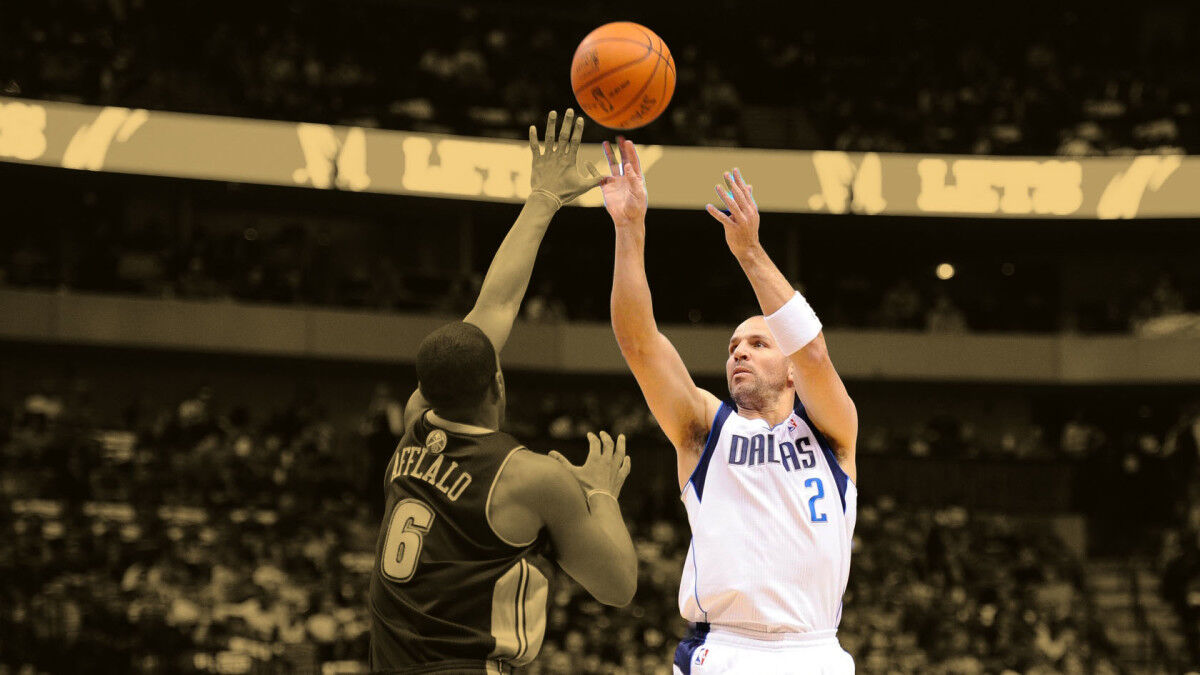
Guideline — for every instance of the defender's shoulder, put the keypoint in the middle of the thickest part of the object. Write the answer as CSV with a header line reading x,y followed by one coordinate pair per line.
x,y
529,466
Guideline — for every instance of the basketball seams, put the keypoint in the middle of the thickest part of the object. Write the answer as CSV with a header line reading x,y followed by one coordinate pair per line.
x,y
614,69
650,43
653,50
663,95
634,99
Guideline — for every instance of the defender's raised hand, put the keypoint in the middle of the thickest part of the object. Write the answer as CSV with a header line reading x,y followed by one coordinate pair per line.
x,y
625,189
554,167
741,224
606,467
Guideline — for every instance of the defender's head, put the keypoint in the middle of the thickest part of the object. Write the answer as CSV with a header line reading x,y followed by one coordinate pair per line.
x,y
458,371
757,371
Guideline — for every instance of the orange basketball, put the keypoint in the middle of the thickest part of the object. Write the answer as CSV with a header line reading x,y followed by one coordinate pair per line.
x,y
623,75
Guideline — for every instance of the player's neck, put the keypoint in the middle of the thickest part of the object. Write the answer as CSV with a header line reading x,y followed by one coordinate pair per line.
x,y
776,412
481,419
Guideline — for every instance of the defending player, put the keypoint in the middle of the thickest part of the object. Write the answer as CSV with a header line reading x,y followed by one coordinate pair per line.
x,y
459,583
767,480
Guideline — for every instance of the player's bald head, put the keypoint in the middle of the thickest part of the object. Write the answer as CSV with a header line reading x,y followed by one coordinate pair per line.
x,y
758,322
456,364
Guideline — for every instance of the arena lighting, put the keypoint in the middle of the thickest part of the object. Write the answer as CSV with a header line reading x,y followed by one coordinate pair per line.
x,y
945,271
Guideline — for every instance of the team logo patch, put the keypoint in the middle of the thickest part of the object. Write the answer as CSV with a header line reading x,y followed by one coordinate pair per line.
x,y
701,654
436,441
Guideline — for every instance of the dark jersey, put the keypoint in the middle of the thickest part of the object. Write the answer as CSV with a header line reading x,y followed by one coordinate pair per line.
x,y
447,590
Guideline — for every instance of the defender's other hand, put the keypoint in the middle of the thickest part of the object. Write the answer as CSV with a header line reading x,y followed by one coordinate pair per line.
x,y
554,166
606,467
625,189
741,225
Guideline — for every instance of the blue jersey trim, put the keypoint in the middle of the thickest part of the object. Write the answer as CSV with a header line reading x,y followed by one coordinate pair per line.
x,y
696,581
697,634
839,476
710,444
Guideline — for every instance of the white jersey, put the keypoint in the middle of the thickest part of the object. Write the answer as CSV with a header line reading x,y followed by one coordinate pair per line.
x,y
772,518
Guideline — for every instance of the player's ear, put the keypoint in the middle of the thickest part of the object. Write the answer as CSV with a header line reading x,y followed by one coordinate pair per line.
x,y
498,385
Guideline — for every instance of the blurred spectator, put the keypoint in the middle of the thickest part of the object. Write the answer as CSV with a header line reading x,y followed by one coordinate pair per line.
x,y
945,316
1164,299
542,306
901,306
381,429
1080,439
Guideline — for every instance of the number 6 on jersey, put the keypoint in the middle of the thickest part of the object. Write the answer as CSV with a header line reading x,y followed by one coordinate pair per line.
x,y
402,547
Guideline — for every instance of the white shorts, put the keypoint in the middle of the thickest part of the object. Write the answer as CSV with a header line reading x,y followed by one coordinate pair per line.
x,y
708,651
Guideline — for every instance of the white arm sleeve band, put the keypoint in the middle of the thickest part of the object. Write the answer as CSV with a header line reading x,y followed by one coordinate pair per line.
x,y
794,325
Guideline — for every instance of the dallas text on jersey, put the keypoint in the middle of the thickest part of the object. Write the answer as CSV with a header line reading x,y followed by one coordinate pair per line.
x,y
751,451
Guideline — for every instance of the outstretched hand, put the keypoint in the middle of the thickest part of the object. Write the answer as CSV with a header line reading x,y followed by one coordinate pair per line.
x,y
554,167
741,224
606,467
625,188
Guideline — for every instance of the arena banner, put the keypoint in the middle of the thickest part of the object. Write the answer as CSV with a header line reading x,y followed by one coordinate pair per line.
x,y
359,159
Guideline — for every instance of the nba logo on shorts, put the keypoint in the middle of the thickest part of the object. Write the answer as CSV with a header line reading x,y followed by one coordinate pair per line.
x,y
701,654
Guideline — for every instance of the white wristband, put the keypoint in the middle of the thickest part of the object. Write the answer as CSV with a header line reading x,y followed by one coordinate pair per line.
x,y
602,492
794,325
551,195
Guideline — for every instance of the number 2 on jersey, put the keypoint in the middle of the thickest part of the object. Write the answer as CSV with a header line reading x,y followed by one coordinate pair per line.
x,y
812,502
411,521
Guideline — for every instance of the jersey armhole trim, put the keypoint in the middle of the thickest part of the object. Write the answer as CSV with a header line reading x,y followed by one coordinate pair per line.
x,y
710,444
821,438
487,506
840,477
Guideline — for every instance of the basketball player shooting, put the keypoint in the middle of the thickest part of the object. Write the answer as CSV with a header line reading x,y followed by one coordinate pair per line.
x,y
460,581
767,477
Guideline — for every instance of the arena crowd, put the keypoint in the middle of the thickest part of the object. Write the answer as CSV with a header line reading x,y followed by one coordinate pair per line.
x,y
196,537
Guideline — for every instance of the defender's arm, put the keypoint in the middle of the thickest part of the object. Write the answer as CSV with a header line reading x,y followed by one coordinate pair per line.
x,y
508,276
554,180
590,537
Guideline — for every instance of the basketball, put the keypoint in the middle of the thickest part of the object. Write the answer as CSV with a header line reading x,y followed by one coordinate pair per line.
x,y
623,75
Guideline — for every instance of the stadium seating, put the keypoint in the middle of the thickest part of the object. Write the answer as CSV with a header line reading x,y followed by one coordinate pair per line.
x,y
974,80
192,535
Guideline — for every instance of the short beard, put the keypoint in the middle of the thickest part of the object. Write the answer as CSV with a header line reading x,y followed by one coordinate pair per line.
x,y
753,397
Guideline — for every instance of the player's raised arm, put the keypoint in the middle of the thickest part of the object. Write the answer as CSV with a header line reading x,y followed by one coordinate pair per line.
x,y
683,410
793,323
554,180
